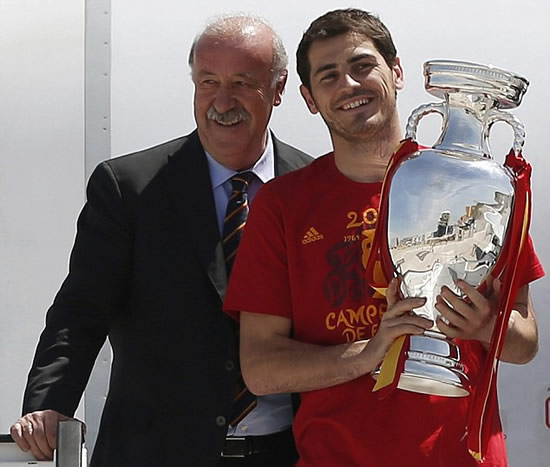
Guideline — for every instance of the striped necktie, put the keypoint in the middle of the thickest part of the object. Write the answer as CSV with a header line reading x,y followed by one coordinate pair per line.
x,y
235,219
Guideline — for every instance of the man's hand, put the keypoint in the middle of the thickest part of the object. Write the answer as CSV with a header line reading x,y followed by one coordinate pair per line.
x,y
37,432
398,320
473,319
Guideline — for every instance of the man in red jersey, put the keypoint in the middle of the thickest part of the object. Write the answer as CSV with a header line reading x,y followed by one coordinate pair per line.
x,y
312,324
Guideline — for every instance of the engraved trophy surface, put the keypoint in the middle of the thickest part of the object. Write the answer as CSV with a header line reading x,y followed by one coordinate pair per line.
x,y
449,208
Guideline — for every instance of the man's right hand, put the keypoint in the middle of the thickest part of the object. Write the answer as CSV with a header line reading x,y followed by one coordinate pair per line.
x,y
398,320
37,432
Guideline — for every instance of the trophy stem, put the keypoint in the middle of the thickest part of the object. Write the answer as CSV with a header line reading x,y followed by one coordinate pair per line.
x,y
465,125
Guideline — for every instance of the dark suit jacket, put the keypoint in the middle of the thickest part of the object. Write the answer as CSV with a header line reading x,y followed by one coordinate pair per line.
x,y
147,270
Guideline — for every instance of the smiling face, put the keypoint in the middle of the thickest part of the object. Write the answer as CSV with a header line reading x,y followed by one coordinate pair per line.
x,y
235,94
353,88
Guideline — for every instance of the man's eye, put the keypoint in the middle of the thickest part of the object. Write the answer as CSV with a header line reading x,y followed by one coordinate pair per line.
x,y
329,77
241,84
364,66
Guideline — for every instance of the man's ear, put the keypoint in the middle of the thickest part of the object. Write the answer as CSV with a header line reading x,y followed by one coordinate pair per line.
x,y
398,78
309,99
280,89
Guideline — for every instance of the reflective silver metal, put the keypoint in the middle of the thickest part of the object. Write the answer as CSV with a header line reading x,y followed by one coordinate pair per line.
x,y
449,207
71,451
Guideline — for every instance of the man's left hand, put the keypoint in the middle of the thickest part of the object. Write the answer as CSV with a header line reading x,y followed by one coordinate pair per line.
x,y
472,319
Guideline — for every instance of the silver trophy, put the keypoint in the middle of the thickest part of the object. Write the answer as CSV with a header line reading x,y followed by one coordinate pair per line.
x,y
449,208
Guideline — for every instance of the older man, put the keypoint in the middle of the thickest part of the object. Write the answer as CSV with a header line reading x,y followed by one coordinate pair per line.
x,y
149,270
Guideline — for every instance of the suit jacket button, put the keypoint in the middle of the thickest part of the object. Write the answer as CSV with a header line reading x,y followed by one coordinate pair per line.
x,y
229,365
220,420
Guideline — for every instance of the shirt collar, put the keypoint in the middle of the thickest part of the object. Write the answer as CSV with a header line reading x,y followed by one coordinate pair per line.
x,y
264,168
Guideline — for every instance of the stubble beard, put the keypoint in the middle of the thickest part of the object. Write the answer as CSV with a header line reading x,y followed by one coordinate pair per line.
x,y
369,130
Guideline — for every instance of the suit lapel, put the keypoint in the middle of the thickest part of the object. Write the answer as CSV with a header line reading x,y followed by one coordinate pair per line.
x,y
285,157
191,189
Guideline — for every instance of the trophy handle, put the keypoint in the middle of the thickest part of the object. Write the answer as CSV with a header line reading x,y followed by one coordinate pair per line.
x,y
497,115
419,112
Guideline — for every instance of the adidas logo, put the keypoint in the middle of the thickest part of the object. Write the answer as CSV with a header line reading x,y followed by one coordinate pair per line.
x,y
312,236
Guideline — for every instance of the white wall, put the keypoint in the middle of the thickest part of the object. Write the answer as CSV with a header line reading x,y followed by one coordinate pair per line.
x,y
42,157
41,173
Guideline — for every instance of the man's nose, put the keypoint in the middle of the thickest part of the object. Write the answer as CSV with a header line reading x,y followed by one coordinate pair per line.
x,y
224,99
350,81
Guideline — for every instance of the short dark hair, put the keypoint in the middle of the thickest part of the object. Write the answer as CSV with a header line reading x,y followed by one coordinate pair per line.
x,y
338,22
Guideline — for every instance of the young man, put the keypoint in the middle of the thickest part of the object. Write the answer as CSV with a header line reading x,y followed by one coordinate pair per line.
x,y
312,324
148,270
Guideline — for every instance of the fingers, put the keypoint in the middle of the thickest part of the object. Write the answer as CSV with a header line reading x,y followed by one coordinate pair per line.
x,y
460,318
477,299
497,287
393,327
39,436
392,292
50,420
407,324
37,432
16,432
398,306
450,323
452,306
399,318
26,432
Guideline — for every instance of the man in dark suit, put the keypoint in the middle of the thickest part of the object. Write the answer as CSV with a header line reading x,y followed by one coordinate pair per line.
x,y
147,270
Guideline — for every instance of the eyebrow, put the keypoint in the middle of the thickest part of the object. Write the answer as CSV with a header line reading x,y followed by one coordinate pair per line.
x,y
244,74
352,60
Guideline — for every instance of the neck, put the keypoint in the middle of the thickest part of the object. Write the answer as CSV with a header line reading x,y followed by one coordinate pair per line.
x,y
366,160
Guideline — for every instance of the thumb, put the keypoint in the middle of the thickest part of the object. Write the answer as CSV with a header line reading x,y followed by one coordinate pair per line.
x,y
497,287
50,426
392,292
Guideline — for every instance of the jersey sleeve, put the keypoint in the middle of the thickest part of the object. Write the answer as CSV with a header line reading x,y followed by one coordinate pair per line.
x,y
529,263
259,280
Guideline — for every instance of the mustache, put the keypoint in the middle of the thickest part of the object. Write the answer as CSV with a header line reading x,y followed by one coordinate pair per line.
x,y
228,118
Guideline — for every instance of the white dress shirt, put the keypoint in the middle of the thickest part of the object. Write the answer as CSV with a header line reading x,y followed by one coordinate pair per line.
x,y
272,413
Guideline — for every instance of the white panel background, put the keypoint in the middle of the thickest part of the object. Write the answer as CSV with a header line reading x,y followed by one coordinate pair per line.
x,y
42,158
41,173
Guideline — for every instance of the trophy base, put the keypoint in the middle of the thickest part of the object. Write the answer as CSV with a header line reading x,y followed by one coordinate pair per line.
x,y
432,366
